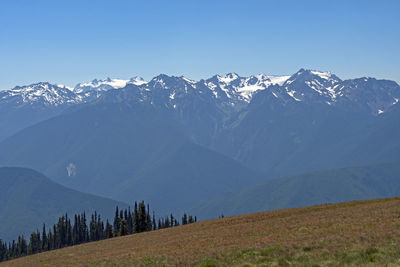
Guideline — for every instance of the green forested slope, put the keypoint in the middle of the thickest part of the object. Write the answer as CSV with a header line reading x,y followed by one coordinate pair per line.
x,y
29,199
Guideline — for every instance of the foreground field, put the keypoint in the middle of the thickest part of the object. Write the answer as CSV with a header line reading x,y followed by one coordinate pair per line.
x,y
353,233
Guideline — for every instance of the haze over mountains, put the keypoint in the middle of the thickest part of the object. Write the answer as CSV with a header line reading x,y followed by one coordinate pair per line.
x,y
172,139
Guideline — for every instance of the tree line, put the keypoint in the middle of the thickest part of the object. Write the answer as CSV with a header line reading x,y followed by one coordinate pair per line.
x,y
85,229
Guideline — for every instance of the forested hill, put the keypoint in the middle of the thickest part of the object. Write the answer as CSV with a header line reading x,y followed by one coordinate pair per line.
x,y
330,186
29,199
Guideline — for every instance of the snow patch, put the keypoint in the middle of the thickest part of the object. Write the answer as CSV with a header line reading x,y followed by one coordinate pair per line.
x,y
289,81
67,87
279,80
323,75
227,79
291,93
137,81
247,91
188,80
71,169
115,83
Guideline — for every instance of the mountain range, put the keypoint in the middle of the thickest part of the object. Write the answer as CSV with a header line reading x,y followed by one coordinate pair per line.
x,y
25,105
177,143
228,90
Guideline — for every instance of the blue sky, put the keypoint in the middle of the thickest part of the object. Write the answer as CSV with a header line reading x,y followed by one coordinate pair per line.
x,y
67,42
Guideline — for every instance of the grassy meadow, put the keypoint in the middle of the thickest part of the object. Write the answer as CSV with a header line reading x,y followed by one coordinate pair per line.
x,y
359,233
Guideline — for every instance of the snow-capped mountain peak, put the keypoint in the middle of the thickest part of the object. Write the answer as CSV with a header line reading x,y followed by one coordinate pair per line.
x,y
312,84
64,86
137,81
276,79
228,78
239,88
322,75
102,85
43,93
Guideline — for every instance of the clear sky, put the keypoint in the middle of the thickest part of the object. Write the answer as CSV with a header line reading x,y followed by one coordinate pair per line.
x,y
67,42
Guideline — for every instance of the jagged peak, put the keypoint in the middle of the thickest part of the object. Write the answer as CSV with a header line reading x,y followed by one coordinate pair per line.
x,y
164,78
96,83
137,80
300,71
161,76
307,74
34,84
39,85
228,78
232,75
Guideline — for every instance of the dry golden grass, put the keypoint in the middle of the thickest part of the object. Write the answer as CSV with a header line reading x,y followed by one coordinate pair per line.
x,y
352,233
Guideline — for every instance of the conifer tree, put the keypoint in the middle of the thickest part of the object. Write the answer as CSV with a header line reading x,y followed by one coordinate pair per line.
x,y
100,228
13,249
22,247
136,218
116,222
130,221
109,230
63,233
166,222
44,238
154,221
3,251
184,219
68,230
124,228
34,243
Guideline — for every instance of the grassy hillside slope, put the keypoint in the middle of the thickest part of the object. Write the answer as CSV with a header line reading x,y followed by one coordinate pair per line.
x,y
352,234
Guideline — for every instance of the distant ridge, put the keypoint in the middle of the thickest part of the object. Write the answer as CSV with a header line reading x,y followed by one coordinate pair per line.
x,y
330,186
30,199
